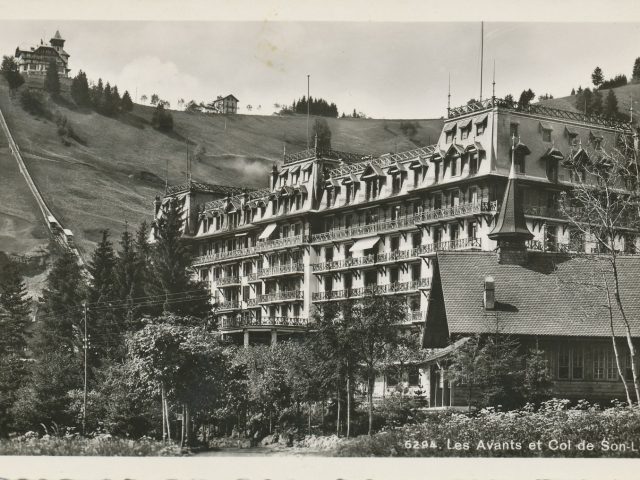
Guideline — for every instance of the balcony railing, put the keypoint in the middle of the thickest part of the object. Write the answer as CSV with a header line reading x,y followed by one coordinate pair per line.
x,y
226,281
249,251
389,289
234,323
540,246
549,212
281,270
230,305
281,296
537,109
407,221
252,302
396,256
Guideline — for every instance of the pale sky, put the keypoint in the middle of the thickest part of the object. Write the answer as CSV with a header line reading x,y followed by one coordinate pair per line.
x,y
387,70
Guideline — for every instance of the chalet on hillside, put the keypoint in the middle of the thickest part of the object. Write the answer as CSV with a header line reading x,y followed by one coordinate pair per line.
x,y
35,60
228,104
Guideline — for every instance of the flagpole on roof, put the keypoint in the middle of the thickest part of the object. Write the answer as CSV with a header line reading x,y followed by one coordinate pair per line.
x,y
481,55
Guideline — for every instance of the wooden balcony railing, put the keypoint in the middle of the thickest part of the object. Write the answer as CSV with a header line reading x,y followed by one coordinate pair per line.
x,y
230,305
226,281
399,255
246,252
391,288
281,296
240,322
405,221
281,269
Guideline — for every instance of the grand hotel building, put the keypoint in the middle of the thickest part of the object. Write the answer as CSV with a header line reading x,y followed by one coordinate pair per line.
x,y
335,225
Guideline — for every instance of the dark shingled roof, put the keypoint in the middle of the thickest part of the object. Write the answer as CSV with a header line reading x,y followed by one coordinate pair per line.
x,y
552,294
510,224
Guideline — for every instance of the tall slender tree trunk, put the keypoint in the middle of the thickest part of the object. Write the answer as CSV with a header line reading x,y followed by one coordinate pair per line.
x,y
371,381
338,413
348,402
183,426
309,423
164,414
613,341
632,350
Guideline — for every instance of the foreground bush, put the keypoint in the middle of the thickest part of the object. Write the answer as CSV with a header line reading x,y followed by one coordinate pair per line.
x,y
103,445
553,430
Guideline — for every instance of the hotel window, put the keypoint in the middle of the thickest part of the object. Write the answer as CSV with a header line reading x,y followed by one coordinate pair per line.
x,y
297,202
396,183
436,172
306,174
600,364
546,135
393,275
274,207
454,232
464,133
454,166
570,363
329,197
416,239
437,234
395,244
472,230
450,135
415,272
551,238
552,169
481,127
473,163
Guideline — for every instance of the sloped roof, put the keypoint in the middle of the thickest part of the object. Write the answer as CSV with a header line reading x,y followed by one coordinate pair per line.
x,y
510,224
552,294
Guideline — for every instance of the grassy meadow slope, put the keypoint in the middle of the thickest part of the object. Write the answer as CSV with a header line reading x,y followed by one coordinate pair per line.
x,y
113,173
624,95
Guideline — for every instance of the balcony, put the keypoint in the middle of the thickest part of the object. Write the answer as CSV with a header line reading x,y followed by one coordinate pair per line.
x,y
253,277
230,281
252,302
289,322
286,269
360,292
227,306
538,246
396,256
549,212
284,296
407,221
261,246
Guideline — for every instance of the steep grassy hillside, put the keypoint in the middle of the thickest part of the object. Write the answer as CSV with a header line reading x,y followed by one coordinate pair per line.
x,y
624,94
112,173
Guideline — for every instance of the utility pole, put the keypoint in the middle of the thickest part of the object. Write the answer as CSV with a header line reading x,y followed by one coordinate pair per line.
x,y
308,102
85,346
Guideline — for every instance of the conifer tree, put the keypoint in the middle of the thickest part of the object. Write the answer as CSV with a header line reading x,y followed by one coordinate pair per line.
x,y
126,104
596,103
97,96
101,268
51,80
597,77
9,70
126,275
14,323
611,105
56,349
636,70
171,267
80,90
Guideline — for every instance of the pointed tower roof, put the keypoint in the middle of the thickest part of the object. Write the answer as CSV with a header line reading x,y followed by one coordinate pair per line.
x,y
57,36
510,224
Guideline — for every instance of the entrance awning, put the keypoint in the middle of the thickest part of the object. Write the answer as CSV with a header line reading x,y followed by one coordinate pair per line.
x,y
445,352
268,231
364,244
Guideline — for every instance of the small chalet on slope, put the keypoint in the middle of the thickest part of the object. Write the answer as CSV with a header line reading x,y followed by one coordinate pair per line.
x,y
549,300
228,104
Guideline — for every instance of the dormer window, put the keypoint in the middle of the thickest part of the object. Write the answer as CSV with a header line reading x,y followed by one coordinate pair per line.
x,y
546,129
572,136
481,124
465,129
396,183
595,140
450,133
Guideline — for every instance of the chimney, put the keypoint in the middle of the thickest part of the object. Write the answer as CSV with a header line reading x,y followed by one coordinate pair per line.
x,y
489,293
157,204
274,176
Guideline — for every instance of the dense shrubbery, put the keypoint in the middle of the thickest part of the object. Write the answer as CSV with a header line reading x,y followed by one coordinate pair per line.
x,y
34,103
554,421
72,444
